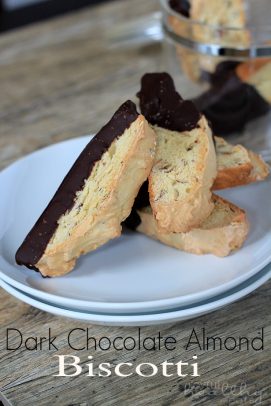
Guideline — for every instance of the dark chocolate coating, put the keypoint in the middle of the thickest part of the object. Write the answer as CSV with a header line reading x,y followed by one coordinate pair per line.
x,y
181,6
224,70
163,106
37,239
133,220
230,104
142,200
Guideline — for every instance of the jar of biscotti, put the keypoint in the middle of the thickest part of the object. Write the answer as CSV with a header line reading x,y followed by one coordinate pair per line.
x,y
219,53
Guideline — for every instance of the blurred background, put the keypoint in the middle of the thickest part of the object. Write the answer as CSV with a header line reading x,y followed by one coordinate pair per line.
x,y
16,13
65,65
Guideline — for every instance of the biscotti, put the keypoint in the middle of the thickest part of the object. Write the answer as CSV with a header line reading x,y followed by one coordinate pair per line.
x,y
237,166
214,22
219,14
180,25
260,169
95,196
219,22
225,230
230,103
185,161
257,73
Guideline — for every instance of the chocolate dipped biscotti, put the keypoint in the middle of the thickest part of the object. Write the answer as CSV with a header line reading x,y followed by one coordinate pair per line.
x,y
257,73
184,168
94,198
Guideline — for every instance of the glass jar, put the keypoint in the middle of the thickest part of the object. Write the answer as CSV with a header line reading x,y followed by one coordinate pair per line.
x,y
225,70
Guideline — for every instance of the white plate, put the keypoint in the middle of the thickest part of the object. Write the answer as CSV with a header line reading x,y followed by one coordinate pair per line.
x,y
132,273
178,314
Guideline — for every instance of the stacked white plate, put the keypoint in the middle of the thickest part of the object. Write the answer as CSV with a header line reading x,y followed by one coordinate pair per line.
x,y
132,280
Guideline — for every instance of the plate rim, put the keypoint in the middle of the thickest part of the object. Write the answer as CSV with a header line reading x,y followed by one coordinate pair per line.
x,y
118,306
174,315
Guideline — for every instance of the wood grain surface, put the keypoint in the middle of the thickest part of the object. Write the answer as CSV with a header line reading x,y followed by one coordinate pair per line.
x,y
61,79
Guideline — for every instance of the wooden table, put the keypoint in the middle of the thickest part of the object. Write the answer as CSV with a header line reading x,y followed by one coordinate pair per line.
x,y
60,79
